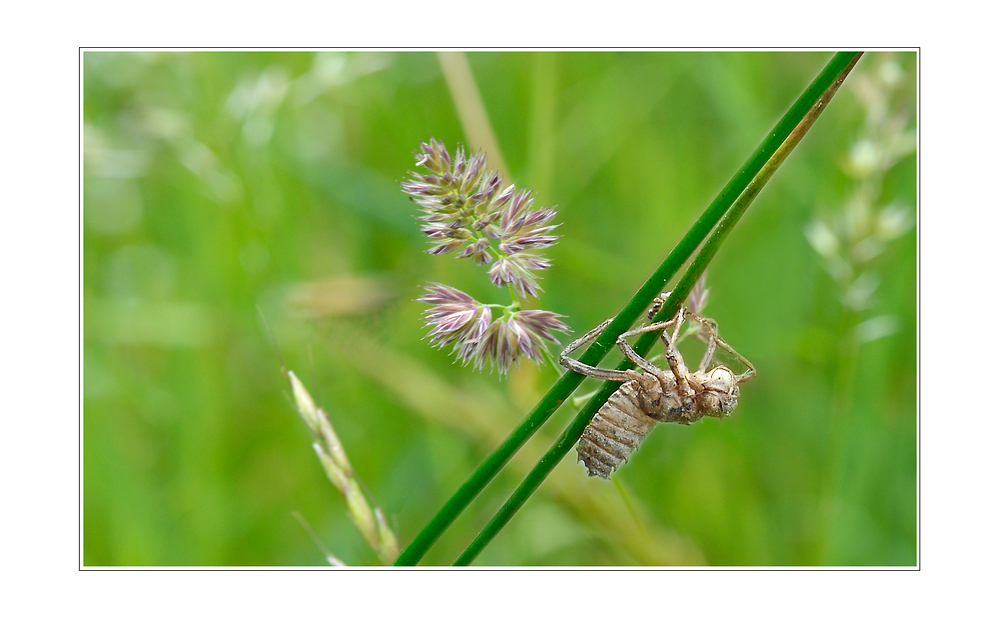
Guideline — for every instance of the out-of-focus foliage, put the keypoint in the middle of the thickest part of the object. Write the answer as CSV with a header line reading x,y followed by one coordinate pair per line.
x,y
217,183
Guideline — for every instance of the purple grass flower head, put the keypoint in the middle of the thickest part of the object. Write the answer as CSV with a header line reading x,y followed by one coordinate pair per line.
x,y
523,228
464,207
540,324
479,251
698,298
458,320
517,334
516,270
434,156
467,211
455,319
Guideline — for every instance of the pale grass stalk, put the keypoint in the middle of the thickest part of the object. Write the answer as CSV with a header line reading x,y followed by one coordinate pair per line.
x,y
472,113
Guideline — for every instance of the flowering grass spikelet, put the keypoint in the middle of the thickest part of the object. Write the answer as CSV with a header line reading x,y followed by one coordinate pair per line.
x,y
456,319
467,211
516,270
522,228
515,334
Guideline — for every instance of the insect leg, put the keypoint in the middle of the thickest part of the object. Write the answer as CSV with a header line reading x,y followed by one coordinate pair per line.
x,y
674,358
657,305
713,338
587,370
634,356
717,340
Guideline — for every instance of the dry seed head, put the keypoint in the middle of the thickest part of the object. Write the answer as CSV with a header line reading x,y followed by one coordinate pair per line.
x,y
335,473
330,452
361,514
304,403
388,543
333,445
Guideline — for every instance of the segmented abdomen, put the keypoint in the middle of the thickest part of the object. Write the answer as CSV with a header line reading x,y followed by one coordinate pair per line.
x,y
614,432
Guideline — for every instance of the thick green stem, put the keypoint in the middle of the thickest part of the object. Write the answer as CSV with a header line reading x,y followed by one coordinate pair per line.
x,y
680,292
563,387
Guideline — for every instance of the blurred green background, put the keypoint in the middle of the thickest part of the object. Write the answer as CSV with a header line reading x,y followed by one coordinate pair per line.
x,y
217,183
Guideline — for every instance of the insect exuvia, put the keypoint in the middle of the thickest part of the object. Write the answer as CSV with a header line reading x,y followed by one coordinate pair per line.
x,y
673,395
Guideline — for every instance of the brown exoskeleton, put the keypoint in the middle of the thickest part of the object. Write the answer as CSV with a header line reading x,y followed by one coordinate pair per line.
x,y
673,395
